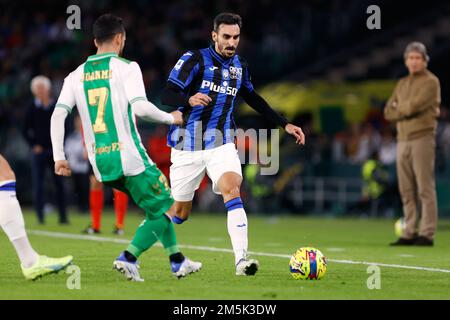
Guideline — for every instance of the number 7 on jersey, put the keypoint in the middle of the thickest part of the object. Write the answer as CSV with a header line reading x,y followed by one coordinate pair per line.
x,y
97,98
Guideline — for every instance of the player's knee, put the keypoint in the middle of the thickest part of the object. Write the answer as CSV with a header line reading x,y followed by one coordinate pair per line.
x,y
231,192
9,175
183,213
6,173
182,210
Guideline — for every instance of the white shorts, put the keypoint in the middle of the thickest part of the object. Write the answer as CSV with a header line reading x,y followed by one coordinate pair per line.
x,y
188,169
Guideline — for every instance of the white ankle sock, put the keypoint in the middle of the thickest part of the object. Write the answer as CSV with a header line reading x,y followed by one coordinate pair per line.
x,y
25,251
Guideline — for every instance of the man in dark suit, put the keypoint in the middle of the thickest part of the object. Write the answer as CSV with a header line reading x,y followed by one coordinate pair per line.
x,y
37,134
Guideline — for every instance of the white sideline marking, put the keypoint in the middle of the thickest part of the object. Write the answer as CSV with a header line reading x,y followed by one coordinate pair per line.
x,y
213,249
216,239
272,244
335,249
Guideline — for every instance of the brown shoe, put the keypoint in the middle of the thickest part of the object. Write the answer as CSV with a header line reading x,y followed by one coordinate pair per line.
x,y
403,242
423,241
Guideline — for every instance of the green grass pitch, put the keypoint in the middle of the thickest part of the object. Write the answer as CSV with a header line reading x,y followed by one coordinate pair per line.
x,y
341,241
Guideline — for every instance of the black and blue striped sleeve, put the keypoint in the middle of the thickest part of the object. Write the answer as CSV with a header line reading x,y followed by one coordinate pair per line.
x,y
246,80
246,76
256,102
185,69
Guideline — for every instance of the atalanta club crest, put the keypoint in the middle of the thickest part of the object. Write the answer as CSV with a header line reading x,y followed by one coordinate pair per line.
x,y
235,73
225,74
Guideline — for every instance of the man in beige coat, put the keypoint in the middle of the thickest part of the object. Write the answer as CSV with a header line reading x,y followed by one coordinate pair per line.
x,y
414,107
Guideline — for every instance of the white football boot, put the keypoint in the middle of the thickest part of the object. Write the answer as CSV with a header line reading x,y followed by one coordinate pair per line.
x,y
129,269
184,268
247,267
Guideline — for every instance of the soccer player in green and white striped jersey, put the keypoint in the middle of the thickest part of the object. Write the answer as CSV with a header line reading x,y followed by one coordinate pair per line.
x,y
108,92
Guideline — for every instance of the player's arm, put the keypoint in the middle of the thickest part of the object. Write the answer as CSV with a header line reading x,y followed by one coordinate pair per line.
x,y
64,106
255,101
135,91
174,96
181,76
258,103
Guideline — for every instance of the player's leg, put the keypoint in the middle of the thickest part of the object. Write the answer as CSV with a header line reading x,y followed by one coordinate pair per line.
x,y
120,209
96,200
11,220
181,211
186,174
224,169
151,192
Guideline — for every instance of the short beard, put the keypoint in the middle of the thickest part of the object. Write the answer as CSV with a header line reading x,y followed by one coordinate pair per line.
x,y
222,50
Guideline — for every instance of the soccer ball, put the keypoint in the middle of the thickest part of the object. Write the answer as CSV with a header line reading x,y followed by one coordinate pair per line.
x,y
399,227
308,263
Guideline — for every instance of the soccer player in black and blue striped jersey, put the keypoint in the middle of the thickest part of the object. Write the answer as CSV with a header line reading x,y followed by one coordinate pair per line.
x,y
203,85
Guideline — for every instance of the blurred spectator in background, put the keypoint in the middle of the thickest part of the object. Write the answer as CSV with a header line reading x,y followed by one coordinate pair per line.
x,y
443,142
363,142
388,148
352,145
158,150
37,134
414,107
3,122
380,195
78,161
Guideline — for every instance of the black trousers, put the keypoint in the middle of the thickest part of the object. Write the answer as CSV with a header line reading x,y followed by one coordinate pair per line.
x,y
39,164
81,190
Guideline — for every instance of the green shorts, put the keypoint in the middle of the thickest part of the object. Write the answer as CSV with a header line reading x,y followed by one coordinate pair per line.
x,y
149,190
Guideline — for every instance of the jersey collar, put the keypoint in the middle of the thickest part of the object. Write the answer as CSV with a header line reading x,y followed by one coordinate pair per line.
x,y
101,56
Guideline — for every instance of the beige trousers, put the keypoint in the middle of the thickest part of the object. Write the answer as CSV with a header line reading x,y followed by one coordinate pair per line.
x,y
416,181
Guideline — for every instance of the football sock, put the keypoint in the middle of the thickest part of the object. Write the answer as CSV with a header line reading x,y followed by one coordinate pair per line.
x,y
176,257
148,232
11,221
169,240
96,204
120,207
237,228
178,220
129,256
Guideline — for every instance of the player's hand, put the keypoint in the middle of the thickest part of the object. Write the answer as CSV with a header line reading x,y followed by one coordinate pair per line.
x,y
177,117
62,168
199,99
296,132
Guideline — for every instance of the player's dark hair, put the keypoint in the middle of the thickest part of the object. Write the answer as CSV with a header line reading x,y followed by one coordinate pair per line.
x,y
227,18
106,27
